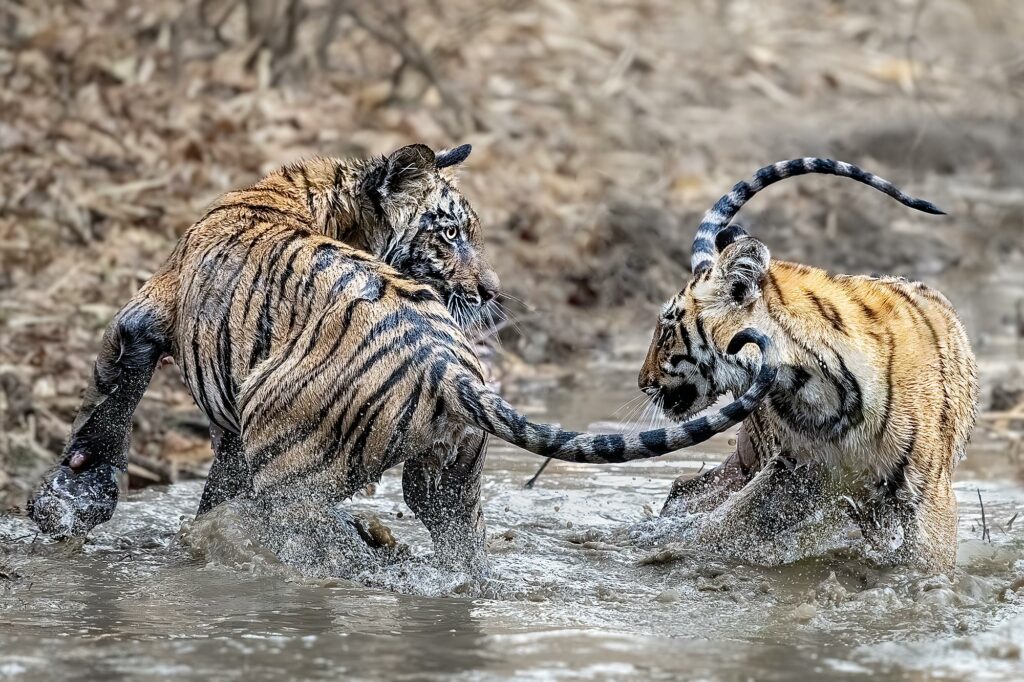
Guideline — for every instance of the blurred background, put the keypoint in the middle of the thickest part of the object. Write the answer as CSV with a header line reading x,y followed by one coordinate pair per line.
x,y
601,132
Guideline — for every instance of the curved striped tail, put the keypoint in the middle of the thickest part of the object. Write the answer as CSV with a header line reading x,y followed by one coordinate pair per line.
x,y
490,412
726,208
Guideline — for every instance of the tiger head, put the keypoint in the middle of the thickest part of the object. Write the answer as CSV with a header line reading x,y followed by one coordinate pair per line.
x,y
428,230
687,367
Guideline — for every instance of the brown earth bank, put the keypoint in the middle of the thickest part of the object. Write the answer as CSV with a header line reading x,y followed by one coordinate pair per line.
x,y
601,132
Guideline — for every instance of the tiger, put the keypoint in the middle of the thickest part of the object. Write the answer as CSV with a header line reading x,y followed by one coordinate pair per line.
x,y
875,400
326,366
403,209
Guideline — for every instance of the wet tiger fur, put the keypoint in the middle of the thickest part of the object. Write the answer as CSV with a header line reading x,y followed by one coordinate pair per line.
x,y
875,400
402,210
322,367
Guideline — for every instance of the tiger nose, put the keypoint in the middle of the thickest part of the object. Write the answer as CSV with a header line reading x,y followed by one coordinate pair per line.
x,y
647,382
489,287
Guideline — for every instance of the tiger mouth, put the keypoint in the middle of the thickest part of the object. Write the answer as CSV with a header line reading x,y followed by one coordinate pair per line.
x,y
678,403
469,316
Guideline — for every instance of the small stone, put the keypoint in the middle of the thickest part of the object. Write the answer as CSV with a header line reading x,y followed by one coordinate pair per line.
x,y
381,534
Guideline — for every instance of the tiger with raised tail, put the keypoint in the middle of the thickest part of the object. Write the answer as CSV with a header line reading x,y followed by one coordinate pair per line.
x,y
875,399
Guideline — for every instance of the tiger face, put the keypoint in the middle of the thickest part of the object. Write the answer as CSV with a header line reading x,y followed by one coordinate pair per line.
x,y
447,250
430,231
687,367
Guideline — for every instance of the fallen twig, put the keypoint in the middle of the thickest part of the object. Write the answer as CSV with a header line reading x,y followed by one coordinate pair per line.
x,y
985,534
529,484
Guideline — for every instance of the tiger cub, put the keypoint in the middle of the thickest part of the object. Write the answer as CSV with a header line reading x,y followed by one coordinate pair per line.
x,y
332,367
402,210
876,392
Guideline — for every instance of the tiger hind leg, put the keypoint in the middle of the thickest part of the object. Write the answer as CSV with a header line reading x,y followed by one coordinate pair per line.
x,y
80,491
910,525
447,502
229,475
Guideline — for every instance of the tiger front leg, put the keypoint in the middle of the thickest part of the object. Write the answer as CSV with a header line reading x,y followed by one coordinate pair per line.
x,y
81,491
447,500
706,491
787,511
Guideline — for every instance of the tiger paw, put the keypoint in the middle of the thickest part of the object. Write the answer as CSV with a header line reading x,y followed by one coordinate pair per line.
x,y
69,504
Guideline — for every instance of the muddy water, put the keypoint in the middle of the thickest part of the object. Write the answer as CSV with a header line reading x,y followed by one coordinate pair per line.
x,y
570,596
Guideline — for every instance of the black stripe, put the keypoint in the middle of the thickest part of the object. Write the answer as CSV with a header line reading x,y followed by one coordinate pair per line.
x,y
367,424
259,212
418,295
735,411
730,234
552,440
703,245
223,372
222,387
916,308
775,285
309,192
827,310
297,385
340,284
264,326
827,166
609,446
767,175
408,340
469,397
655,440
374,335
868,311
896,479
889,382
289,270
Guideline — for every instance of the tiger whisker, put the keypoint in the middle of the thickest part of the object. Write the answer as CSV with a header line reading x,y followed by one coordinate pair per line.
x,y
628,404
518,300
507,314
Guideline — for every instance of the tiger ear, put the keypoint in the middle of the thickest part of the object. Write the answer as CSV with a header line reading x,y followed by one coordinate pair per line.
x,y
741,268
408,166
452,157
449,160
402,172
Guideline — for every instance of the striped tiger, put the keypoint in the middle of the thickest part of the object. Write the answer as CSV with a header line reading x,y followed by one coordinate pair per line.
x,y
321,367
877,385
403,210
